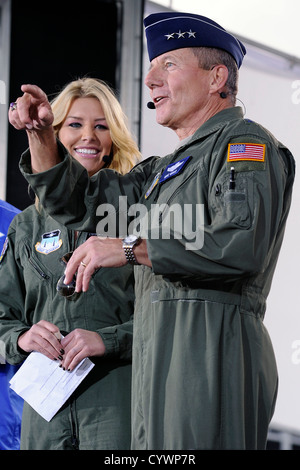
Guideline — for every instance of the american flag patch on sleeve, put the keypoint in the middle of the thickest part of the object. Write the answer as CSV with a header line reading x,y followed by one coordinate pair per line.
x,y
246,151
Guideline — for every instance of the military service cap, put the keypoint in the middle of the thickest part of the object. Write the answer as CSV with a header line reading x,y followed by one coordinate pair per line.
x,y
167,31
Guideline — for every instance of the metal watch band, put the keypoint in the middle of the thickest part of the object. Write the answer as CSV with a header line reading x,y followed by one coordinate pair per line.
x,y
128,250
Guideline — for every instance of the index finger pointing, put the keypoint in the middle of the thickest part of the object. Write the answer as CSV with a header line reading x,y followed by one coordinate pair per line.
x,y
34,91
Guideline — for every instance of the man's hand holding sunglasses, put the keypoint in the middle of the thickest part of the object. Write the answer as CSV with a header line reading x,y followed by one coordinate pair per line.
x,y
99,252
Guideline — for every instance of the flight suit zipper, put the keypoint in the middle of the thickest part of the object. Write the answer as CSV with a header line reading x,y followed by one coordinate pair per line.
x,y
37,269
75,235
74,438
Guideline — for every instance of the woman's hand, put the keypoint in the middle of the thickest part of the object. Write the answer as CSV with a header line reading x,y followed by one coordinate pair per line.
x,y
80,344
43,337
32,111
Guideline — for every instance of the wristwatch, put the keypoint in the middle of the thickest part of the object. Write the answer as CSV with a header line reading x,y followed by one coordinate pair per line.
x,y
128,243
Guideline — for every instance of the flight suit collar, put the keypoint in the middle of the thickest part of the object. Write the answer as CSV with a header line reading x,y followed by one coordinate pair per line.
x,y
214,123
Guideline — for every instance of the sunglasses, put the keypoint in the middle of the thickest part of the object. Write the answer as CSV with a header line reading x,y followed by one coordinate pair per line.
x,y
67,290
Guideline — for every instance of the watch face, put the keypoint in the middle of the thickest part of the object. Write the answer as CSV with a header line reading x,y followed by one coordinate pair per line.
x,y
130,239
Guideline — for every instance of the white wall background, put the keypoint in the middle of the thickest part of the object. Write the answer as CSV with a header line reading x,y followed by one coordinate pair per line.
x,y
266,89
269,100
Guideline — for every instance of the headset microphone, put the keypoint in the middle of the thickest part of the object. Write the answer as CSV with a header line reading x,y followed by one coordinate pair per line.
x,y
107,159
150,105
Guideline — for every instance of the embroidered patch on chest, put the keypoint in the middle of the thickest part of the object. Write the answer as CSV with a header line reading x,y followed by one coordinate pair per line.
x,y
246,152
4,249
50,242
173,169
152,185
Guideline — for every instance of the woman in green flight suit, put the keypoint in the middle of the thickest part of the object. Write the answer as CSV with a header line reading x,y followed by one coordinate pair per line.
x,y
91,124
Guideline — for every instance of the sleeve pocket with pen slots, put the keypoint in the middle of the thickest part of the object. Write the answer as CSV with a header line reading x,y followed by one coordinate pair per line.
x,y
234,205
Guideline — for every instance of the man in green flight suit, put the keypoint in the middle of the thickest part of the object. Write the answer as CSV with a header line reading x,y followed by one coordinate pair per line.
x,y
204,372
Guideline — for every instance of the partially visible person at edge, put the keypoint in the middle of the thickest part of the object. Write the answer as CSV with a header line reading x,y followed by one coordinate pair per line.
x,y
90,123
204,371
11,403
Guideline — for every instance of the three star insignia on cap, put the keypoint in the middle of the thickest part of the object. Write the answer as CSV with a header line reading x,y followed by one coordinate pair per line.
x,y
191,34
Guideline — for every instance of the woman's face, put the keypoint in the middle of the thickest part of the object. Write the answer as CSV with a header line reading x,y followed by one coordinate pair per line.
x,y
85,134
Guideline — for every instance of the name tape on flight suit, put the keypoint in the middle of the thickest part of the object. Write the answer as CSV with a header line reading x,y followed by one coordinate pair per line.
x,y
173,169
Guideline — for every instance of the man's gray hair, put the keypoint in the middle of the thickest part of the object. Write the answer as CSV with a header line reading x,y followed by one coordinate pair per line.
x,y
208,57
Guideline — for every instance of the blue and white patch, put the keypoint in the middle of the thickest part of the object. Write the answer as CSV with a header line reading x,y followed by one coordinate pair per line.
x,y
50,242
174,169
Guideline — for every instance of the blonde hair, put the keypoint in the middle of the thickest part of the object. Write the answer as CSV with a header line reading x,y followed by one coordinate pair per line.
x,y
125,150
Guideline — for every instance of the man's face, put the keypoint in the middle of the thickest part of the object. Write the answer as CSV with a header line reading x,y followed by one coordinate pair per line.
x,y
179,89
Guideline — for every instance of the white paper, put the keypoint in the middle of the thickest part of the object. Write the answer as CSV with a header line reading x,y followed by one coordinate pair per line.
x,y
44,385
